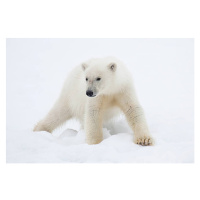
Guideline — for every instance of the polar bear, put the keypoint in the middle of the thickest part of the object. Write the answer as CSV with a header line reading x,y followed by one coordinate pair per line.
x,y
94,92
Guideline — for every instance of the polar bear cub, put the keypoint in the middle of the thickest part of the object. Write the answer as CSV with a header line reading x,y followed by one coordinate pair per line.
x,y
94,92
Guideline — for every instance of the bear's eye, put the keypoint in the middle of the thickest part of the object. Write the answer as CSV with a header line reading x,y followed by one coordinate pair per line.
x,y
98,79
86,79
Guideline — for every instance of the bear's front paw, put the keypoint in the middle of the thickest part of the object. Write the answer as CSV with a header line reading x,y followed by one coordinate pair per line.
x,y
144,140
93,141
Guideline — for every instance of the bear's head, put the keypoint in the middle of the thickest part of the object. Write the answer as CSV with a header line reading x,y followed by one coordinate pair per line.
x,y
98,76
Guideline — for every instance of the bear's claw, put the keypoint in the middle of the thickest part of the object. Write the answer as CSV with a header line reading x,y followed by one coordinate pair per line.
x,y
144,141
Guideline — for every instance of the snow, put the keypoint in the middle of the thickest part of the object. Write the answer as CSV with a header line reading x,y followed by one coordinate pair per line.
x,y
163,72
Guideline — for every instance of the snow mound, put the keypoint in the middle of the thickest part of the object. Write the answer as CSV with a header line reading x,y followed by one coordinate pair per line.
x,y
30,147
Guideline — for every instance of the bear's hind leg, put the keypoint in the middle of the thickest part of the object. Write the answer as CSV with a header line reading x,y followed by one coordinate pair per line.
x,y
56,117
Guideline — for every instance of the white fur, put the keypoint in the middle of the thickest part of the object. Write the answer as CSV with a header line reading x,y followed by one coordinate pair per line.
x,y
114,93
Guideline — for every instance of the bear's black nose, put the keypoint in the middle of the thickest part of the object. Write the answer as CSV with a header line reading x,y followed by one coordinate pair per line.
x,y
89,93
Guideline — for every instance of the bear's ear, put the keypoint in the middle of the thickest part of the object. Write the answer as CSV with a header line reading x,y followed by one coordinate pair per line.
x,y
112,66
84,66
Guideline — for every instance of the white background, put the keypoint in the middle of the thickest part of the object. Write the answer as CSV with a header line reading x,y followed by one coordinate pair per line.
x,y
128,19
163,74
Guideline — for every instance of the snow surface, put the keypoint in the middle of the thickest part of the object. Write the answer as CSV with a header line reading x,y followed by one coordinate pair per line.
x,y
163,72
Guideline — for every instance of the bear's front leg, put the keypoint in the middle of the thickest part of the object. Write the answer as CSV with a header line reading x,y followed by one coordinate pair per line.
x,y
93,121
136,119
